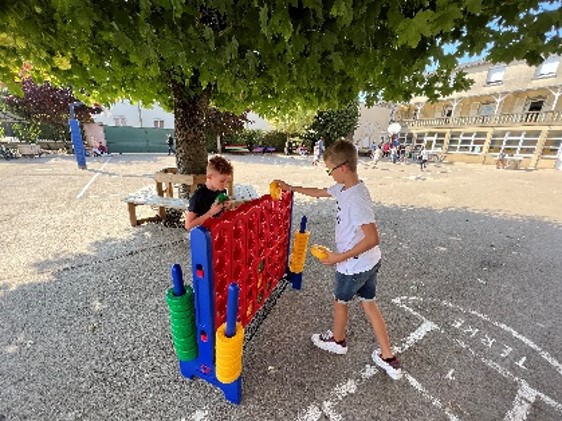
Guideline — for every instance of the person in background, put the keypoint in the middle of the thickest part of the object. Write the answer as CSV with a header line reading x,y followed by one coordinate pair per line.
x,y
320,147
316,153
170,143
501,162
393,154
100,150
423,157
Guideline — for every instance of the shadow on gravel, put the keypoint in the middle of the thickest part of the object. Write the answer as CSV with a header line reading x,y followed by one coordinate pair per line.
x,y
93,341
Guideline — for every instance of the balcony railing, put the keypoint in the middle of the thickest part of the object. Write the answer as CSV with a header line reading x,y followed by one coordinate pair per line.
x,y
532,118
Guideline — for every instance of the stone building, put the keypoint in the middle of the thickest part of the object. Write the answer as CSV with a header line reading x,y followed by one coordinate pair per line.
x,y
513,107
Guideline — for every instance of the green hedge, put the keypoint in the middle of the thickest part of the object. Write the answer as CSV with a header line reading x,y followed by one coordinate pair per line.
x,y
251,139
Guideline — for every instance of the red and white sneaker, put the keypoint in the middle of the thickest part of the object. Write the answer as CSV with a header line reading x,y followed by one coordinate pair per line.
x,y
390,365
327,342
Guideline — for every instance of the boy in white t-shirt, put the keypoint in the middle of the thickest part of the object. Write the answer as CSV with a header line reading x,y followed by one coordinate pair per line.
x,y
358,255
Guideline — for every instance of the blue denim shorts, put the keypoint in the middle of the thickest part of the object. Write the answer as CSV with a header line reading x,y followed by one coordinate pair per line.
x,y
363,284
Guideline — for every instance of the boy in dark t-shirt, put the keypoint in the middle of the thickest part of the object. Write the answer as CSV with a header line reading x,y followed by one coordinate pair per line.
x,y
204,204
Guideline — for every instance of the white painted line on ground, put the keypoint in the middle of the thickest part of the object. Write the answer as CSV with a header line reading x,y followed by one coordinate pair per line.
x,y
416,336
434,401
522,404
92,180
544,354
338,393
326,408
198,415
526,394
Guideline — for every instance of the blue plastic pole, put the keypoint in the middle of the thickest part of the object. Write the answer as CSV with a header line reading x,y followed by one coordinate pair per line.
x,y
76,138
303,224
232,310
177,280
296,278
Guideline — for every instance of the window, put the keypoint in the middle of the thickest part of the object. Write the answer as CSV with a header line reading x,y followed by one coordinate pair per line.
x,y
158,123
548,67
553,144
466,142
120,120
432,141
515,143
406,139
534,107
486,109
495,75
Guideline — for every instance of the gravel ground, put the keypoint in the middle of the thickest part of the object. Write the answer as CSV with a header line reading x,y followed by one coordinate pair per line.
x,y
84,330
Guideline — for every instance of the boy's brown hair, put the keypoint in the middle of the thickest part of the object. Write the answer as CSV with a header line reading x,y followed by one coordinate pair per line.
x,y
220,165
342,151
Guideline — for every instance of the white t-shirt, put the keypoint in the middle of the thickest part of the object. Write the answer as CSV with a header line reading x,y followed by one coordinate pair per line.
x,y
354,208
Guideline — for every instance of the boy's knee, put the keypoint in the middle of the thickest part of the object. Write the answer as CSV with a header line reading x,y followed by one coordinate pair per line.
x,y
342,300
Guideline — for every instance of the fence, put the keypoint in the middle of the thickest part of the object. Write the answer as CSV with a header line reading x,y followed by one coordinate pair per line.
x,y
136,139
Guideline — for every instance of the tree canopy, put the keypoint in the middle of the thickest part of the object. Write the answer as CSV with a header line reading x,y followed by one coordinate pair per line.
x,y
266,55
332,125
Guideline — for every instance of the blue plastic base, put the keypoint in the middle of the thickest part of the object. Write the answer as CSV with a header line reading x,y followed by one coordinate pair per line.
x,y
296,280
232,391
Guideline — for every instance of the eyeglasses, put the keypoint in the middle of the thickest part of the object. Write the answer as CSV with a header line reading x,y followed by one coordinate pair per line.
x,y
335,168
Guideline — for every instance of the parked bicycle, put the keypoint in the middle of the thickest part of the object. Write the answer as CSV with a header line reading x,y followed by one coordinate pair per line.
x,y
7,153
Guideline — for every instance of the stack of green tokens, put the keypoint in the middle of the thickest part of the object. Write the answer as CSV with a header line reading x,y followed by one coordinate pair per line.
x,y
182,321
222,197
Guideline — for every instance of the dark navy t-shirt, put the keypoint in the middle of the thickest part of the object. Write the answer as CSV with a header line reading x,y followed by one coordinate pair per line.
x,y
203,199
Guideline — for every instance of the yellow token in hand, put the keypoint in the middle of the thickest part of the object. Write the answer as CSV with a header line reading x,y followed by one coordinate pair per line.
x,y
318,251
275,190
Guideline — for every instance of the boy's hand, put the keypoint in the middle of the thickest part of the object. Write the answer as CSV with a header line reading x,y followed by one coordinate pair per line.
x,y
215,208
282,184
332,258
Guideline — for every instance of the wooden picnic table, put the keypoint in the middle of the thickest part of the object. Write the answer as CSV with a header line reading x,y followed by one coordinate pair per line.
x,y
162,195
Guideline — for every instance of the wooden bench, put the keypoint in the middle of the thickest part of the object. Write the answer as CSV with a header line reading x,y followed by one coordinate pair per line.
x,y
148,196
513,162
162,195
30,150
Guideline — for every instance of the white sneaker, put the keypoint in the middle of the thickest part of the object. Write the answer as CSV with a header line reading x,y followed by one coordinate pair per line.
x,y
326,342
392,367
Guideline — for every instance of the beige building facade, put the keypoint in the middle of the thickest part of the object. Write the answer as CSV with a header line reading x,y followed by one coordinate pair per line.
x,y
515,108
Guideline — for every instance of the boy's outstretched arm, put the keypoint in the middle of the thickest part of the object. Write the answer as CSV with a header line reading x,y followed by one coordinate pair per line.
x,y
308,191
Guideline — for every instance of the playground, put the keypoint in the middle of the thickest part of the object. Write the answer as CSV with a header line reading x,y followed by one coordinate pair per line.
x,y
470,289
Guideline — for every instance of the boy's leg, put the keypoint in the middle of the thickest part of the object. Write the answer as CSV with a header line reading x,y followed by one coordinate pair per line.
x,y
374,315
385,358
335,341
340,320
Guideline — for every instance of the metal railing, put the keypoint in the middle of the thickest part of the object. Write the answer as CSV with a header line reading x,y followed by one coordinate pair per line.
x,y
531,117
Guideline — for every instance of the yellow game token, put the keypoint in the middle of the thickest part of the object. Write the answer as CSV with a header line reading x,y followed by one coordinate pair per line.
x,y
318,251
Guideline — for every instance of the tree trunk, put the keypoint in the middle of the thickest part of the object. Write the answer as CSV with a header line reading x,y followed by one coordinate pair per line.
x,y
189,115
219,145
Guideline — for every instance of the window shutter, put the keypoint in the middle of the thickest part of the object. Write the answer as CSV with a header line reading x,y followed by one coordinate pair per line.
x,y
519,105
548,67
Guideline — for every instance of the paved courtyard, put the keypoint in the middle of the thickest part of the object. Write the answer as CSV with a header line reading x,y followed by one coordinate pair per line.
x,y
470,288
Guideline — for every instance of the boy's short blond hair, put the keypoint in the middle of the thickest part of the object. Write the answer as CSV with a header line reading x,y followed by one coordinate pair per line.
x,y
220,165
342,151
